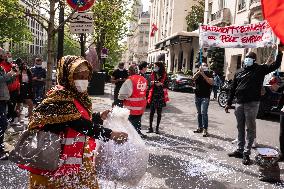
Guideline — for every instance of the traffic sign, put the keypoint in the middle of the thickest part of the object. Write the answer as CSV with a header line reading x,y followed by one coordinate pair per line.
x,y
82,22
81,5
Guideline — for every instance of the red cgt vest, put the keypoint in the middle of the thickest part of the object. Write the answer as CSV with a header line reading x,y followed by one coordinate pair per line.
x,y
72,151
136,103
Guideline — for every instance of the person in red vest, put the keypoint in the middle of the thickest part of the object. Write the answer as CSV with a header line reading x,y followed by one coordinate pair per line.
x,y
14,87
67,111
158,94
133,93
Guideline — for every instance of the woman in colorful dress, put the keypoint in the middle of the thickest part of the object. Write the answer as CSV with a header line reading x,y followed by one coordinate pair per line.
x,y
67,111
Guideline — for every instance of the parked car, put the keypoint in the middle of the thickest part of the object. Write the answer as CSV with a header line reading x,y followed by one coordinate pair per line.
x,y
181,82
269,98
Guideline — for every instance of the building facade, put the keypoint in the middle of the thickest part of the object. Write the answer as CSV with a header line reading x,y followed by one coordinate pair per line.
x,y
138,39
171,40
35,48
235,12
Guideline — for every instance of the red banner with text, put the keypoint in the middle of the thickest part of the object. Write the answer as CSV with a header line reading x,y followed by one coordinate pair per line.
x,y
247,36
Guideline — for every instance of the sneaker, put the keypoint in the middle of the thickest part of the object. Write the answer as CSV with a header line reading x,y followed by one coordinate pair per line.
x,y
150,131
205,133
142,135
199,130
236,154
157,132
246,160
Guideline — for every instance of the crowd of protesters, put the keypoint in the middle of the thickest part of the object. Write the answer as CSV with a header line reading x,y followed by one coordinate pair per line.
x,y
21,86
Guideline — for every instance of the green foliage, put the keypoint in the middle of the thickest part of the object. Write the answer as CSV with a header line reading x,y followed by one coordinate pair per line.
x,y
110,20
13,26
216,57
71,44
195,16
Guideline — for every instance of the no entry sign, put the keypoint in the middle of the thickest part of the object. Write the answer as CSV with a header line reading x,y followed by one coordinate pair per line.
x,y
81,5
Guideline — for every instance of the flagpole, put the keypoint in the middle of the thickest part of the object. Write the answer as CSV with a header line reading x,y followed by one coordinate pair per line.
x,y
200,49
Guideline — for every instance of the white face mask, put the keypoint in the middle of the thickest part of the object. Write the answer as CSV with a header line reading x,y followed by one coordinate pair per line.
x,y
156,69
248,62
81,85
38,65
9,60
120,69
205,68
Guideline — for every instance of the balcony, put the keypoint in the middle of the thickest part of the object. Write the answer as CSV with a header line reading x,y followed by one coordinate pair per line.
x,y
221,18
255,4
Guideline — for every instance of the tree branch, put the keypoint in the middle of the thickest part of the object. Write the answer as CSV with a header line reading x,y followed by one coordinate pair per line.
x,y
66,20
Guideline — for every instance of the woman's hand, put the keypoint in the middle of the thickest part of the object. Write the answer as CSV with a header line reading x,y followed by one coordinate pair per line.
x,y
119,137
104,114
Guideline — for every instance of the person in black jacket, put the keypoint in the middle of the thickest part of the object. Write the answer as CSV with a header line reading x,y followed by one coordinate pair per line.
x,y
246,88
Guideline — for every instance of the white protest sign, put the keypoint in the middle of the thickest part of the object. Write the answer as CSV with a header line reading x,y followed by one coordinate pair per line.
x,y
246,36
82,22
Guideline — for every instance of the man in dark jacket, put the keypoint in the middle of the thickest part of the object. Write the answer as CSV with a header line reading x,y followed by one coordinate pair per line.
x,y
204,81
118,77
246,88
39,76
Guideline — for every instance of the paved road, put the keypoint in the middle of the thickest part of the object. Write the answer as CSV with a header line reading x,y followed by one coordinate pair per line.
x,y
180,159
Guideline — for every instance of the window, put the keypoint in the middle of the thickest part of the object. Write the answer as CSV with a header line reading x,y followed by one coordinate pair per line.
x,y
241,5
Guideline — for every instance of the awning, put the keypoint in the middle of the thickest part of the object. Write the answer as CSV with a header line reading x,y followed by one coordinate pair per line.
x,y
177,38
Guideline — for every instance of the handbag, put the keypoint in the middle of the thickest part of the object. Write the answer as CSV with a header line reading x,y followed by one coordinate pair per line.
x,y
37,149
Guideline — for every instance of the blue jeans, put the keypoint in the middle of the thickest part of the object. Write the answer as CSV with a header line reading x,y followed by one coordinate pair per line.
x,y
3,123
202,111
39,92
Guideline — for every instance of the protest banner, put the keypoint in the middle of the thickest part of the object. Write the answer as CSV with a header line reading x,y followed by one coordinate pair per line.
x,y
247,36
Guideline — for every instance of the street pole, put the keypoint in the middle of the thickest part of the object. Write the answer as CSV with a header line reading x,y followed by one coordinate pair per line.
x,y
82,44
60,44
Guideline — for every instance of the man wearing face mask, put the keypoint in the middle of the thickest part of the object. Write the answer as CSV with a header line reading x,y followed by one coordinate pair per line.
x,y
39,76
118,77
203,81
133,94
246,88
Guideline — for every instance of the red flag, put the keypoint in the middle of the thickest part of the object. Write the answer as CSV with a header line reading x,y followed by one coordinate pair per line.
x,y
273,12
154,29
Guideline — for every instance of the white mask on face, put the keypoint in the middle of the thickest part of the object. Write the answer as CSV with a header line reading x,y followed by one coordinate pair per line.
x,y
81,85
120,69
9,60
38,65
248,62
205,68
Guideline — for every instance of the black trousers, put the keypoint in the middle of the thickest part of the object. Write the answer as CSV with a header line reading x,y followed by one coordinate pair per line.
x,y
12,105
3,123
135,120
116,101
281,134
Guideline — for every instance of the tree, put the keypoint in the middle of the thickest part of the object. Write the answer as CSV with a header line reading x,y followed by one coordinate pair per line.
x,y
13,26
110,20
47,21
195,16
216,59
